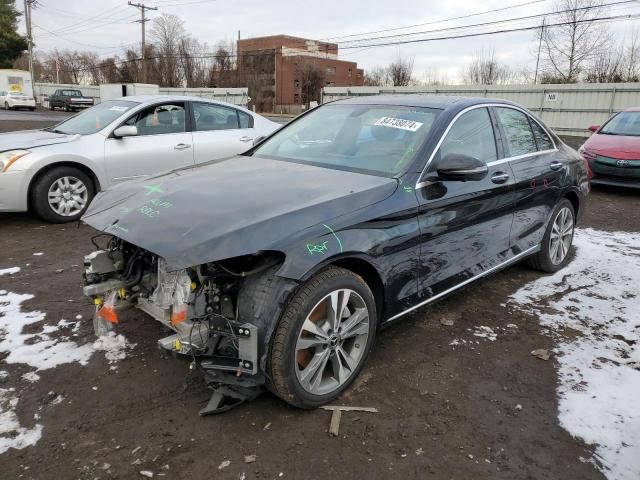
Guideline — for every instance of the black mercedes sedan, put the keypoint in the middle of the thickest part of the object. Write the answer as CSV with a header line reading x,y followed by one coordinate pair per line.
x,y
275,269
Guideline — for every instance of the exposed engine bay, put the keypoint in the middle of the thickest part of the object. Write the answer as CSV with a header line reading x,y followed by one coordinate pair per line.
x,y
199,304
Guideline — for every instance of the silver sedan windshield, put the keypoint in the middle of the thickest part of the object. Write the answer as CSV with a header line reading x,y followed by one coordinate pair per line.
x,y
95,118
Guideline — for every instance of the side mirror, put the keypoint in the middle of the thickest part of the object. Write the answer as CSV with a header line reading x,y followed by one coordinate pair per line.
x,y
594,128
259,139
459,167
125,131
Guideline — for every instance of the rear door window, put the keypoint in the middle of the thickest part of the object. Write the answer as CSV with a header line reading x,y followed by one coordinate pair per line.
x,y
209,116
517,130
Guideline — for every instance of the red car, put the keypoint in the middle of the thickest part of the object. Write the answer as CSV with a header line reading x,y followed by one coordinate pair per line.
x,y
613,151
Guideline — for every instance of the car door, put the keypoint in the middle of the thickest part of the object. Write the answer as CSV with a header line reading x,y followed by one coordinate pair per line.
x,y
464,225
537,168
163,142
220,131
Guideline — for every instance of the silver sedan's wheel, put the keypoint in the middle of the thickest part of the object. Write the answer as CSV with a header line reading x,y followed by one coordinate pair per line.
x,y
68,196
561,236
331,343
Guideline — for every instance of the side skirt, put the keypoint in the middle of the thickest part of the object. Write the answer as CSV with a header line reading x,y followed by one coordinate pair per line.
x,y
504,264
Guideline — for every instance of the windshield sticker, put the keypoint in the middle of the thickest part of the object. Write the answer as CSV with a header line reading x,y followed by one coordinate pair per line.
x,y
401,123
119,109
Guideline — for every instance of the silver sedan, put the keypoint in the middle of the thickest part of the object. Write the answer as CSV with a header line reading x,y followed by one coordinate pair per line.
x,y
57,171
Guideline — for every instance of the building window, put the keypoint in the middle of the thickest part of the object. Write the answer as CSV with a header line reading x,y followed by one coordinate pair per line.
x,y
330,70
349,73
296,84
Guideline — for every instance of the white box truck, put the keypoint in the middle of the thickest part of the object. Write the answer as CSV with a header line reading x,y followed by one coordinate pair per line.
x,y
16,81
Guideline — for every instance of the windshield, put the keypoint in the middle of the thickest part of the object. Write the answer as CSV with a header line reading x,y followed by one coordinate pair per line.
x,y
378,139
95,118
624,123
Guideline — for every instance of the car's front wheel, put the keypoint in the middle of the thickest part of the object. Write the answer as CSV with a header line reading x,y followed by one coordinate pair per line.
x,y
323,338
6,106
62,194
557,240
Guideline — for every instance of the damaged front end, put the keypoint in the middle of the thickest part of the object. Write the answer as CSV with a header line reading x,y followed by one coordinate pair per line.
x,y
198,304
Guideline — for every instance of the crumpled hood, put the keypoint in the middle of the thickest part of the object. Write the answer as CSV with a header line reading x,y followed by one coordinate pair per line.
x,y
31,138
230,208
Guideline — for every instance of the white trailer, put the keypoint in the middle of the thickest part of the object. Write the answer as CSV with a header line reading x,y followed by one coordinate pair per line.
x,y
16,81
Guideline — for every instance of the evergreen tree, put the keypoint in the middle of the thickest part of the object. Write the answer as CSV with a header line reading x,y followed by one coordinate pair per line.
x,y
11,43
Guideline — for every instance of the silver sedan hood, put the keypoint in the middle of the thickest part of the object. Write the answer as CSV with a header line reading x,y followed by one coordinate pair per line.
x,y
31,139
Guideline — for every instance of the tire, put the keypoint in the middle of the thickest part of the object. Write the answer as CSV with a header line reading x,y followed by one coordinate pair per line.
x,y
6,106
545,260
67,108
33,109
294,384
77,199
51,107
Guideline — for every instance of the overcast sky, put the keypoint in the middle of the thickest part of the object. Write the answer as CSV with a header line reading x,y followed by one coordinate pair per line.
x,y
108,26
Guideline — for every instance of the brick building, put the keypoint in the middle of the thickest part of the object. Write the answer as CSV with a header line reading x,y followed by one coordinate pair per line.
x,y
284,73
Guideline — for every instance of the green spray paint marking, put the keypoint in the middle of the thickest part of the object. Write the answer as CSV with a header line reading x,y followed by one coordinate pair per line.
x,y
320,248
334,234
153,189
115,226
408,189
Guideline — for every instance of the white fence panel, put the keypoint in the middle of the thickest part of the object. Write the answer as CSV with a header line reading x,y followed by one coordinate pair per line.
x,y
236,96
568,109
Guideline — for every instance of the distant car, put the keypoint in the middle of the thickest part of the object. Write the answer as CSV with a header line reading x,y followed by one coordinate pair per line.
x,y
57,171
613,150
70,100
15,100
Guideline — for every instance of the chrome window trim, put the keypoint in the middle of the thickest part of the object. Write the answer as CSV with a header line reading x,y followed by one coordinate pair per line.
x,y
420,183
513,259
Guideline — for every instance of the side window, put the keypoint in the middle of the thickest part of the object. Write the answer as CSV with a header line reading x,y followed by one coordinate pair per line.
x,y
246,120
542,139
159,119
517,130
214,117
471,134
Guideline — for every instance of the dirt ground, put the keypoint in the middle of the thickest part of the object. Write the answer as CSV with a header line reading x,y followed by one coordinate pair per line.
x,y
444,412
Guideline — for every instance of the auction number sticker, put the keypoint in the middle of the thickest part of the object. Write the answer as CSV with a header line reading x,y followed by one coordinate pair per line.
x,y
400,123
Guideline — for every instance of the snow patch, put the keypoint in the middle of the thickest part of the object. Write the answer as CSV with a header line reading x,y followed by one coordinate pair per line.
x,y
12,435
592,309
114,346
9,271
485,332
38,254
31,377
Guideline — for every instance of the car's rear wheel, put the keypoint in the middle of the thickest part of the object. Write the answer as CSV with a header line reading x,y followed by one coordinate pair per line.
x,y
557,240
323,338
62,194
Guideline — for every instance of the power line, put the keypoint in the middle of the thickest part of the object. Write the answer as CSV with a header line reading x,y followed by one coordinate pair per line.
x,y
435,21
73,41
483,24
143,20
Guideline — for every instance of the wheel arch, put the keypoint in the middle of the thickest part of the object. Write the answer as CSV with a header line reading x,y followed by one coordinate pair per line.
x,y
67,163
362,266
574,198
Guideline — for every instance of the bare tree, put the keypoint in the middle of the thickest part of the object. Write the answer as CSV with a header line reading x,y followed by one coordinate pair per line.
x,y
631,69
567,48
484,69
606,66
376,77
311,83
167,33
401,71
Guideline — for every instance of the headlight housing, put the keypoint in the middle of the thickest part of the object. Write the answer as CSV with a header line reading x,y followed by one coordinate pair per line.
x,y
9,157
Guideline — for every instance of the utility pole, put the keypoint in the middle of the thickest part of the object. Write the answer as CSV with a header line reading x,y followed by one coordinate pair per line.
x,y
142,21
535,78
27,20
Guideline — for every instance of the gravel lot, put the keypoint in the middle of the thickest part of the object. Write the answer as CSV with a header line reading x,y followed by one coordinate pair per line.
x,y
459,393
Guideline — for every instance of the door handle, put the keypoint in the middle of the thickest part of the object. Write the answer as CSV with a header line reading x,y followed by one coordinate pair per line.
x,y
245,139
555,165
182,146
499,177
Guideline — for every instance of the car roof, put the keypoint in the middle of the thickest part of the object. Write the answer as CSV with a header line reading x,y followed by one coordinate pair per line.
x,y
419,100
632,109
170,98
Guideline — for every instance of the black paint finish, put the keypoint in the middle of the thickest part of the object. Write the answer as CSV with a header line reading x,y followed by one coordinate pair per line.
x,y
421,238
